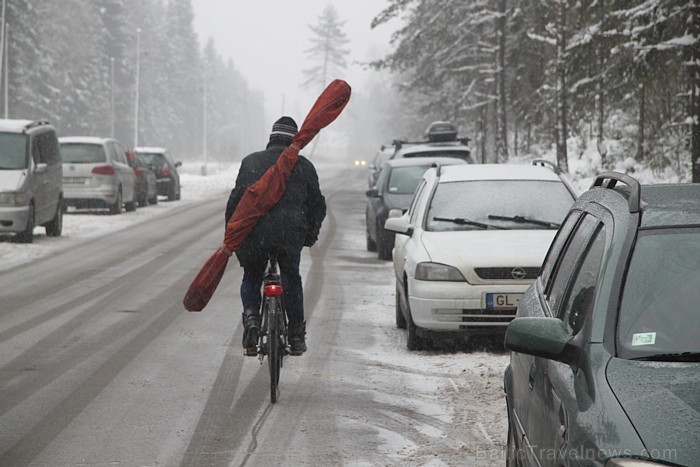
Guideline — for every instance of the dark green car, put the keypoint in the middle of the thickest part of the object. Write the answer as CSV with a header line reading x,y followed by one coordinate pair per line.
x,y
605,362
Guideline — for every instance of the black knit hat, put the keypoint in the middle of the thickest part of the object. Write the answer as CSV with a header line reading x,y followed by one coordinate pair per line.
x,y
283,130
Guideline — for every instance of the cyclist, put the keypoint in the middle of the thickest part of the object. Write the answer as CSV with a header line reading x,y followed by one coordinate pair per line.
x,y
294,222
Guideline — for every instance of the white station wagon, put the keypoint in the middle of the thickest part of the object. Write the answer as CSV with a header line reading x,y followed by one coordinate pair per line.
x,y
471,242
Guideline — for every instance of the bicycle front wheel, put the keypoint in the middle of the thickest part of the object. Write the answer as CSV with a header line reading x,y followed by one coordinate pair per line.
x,y
274,356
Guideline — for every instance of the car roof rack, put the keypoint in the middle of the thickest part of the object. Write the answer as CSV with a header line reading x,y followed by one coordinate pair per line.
x,y
438,167
399,143
546,163
35,124
609,180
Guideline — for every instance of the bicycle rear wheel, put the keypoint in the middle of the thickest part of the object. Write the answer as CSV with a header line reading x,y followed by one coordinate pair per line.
x,y
274,356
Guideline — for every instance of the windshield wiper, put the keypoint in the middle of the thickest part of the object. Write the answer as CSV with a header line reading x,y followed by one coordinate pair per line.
x,y
464,221
525,220
672,357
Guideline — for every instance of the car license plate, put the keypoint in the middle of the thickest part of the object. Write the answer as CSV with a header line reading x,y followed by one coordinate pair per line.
x,y
74,180
502,301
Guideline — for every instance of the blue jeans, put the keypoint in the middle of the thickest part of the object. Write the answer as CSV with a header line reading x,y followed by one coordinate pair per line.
x,y
293,296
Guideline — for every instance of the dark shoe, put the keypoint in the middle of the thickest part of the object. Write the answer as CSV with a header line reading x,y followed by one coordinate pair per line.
x,y
297,338
251,325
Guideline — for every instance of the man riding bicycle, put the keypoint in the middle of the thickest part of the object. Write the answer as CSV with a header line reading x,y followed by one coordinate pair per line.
x,y
294,222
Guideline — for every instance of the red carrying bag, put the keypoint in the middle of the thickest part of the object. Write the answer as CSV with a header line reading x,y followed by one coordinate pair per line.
x,y
261,196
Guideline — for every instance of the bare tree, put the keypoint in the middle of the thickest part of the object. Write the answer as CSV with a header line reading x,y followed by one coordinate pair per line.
x,y
327,52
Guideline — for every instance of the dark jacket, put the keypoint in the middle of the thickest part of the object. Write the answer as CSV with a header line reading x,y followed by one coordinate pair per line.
x,y
295,221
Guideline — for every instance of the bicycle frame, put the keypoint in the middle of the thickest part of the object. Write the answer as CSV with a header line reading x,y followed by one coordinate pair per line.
x,y
273,338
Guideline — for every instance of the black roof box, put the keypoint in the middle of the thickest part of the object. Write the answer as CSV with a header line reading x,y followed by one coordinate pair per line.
x,y
441,131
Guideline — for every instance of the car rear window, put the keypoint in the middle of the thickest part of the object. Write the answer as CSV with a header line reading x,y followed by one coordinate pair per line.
x,y
81,153
152,158
13,151
533,202
404,180
659,309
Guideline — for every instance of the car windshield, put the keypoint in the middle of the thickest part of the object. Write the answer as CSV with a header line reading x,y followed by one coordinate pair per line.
x,y
404,180
152,158
459,154
501,204
13,151
659,313
80,153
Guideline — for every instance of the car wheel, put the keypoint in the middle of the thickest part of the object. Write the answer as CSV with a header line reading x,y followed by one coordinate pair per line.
x,y
27,235
400,318
171,192
55,226
413,340
131,206
116,208
154,200
143,199
371,244
383,246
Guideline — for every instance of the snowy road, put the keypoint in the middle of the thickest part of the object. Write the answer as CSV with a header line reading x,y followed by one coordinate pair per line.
x,y
101,365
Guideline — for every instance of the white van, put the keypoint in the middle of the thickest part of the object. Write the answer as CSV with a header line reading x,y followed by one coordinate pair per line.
x,y
31,179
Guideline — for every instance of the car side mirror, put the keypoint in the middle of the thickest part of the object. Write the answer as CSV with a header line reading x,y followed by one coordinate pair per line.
x,y
541,337
398,225
372,193
41,168
178,164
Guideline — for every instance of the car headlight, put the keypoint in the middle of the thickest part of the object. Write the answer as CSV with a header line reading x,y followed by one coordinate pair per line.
x,y
438,272
12,198
628,462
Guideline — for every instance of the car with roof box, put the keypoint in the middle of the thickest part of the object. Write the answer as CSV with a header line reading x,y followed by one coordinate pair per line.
x,y
605,348
31,188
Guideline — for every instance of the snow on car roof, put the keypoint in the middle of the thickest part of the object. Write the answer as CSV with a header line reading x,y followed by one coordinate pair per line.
x,y
13,126
82,139
412,161
455,173
150,149
431,147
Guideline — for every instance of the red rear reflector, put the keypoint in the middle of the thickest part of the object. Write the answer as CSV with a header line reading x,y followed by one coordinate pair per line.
x,y
137,172
103,170
273,290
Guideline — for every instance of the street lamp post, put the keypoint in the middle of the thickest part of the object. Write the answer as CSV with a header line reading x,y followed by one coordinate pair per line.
x,y
204,123
111,75
138,87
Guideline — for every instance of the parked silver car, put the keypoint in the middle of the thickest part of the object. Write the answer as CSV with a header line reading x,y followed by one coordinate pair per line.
x,y
30,179
96,174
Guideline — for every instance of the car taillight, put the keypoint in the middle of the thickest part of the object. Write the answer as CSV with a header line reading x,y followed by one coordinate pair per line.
x,y
137,172
165,171
103,170
273,290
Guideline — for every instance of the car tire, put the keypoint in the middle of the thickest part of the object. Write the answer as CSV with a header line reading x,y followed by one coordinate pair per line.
x,y
383,246
143,200
172,195
116,208
371,244
400,318
154,200
413,340
131,206
27,235
55,226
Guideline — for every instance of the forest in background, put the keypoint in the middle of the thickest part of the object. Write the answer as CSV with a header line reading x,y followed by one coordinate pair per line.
x,y
524,76
67,60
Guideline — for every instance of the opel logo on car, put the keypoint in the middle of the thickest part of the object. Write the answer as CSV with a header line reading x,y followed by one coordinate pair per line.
x,y
518,273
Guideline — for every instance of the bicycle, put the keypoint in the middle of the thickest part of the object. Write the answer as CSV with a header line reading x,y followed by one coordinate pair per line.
x,y
273,336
